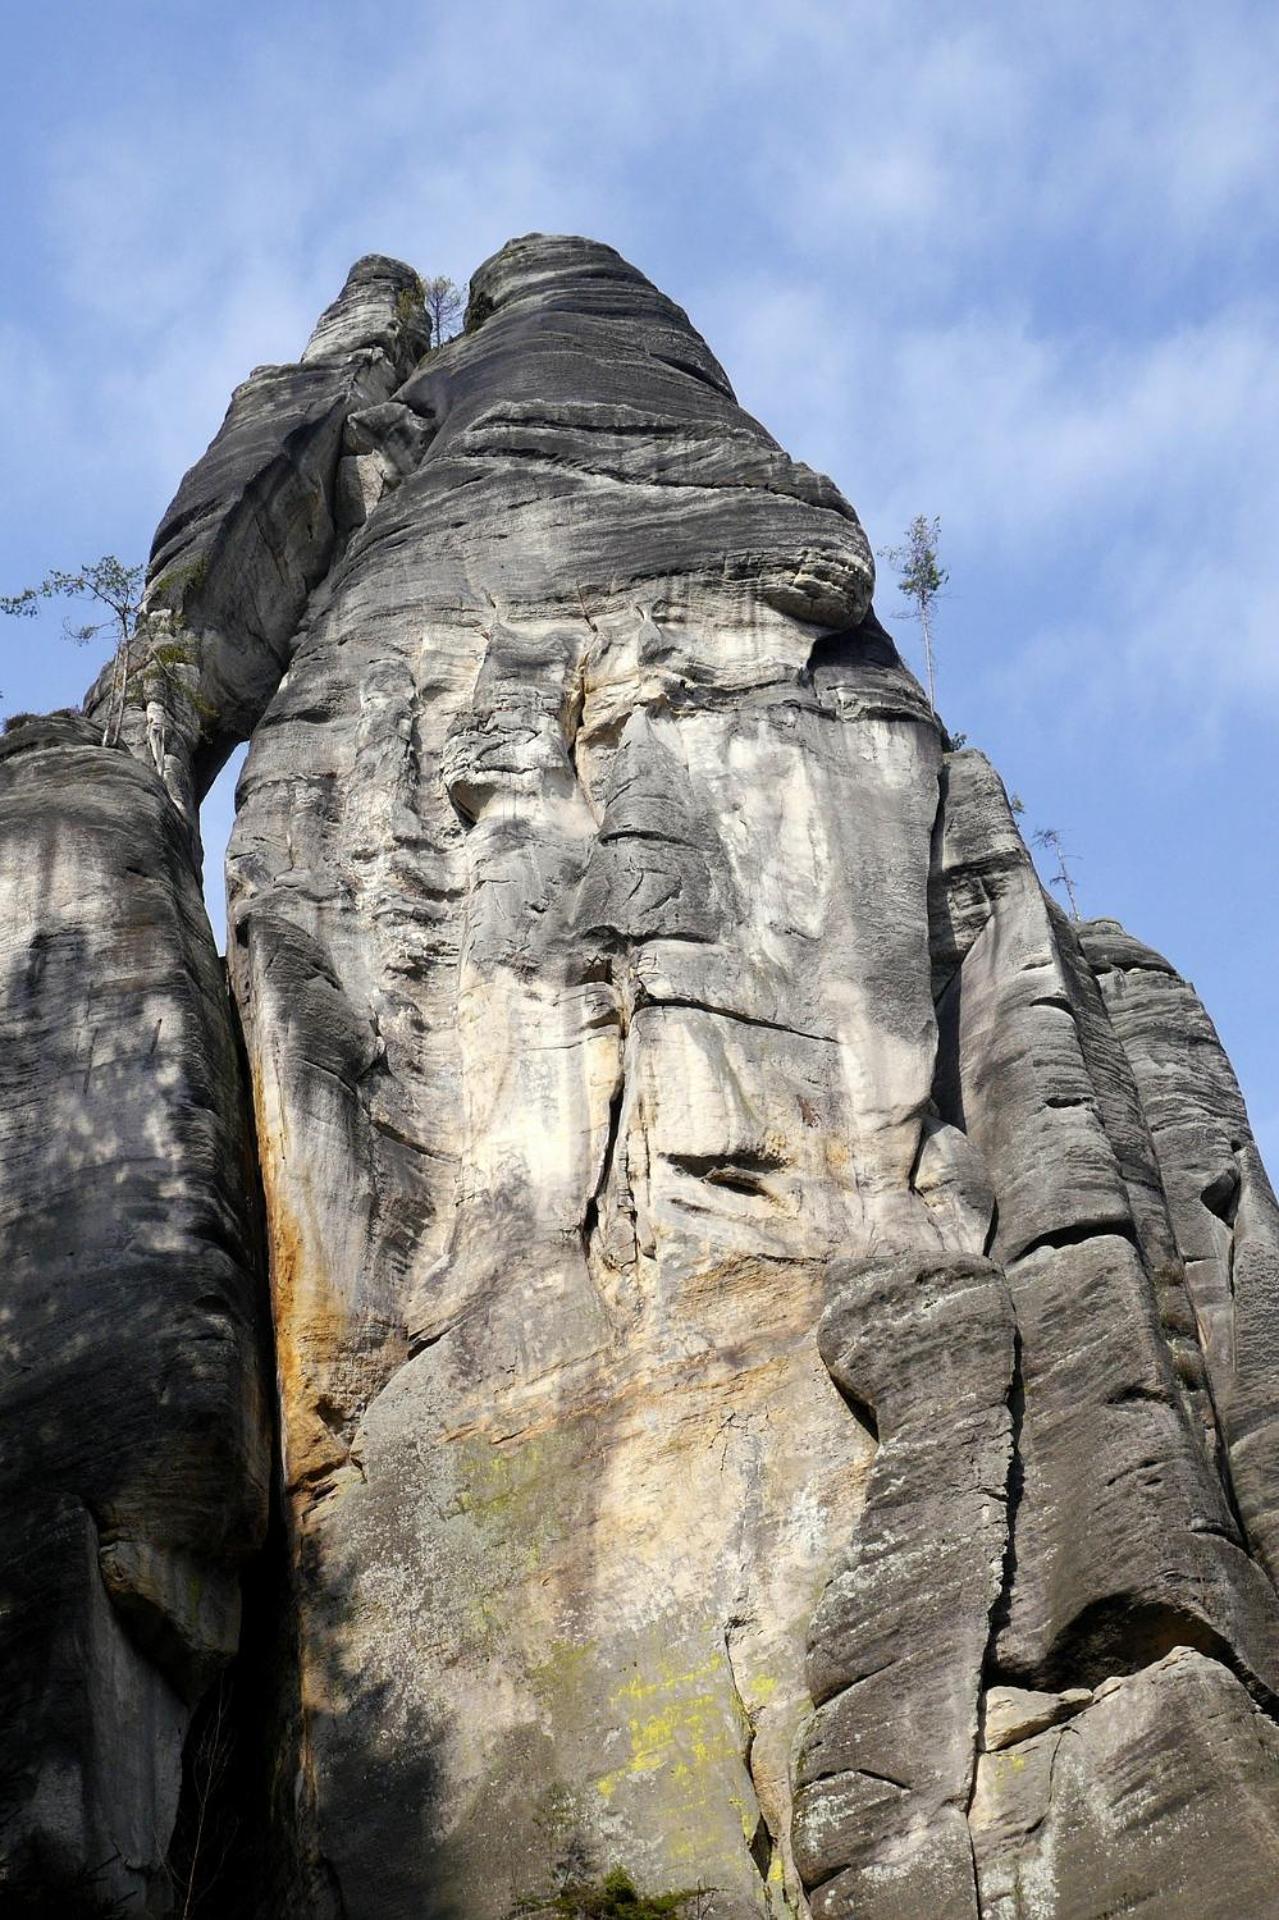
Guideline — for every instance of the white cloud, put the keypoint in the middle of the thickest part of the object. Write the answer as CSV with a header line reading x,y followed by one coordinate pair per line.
x,y
1008,264
915,164
1123,489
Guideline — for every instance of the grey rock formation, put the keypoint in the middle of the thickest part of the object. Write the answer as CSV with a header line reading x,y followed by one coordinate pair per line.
x,y
1012,1714
773,1326
252,530
1221,1204
134,1471
1162,1793
898,1646
556,1080
1111,1396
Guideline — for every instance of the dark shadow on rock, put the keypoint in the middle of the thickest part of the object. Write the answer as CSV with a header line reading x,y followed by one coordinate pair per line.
x,y
133,1476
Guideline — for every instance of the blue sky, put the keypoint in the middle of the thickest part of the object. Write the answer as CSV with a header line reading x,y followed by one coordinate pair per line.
x,y
1011,265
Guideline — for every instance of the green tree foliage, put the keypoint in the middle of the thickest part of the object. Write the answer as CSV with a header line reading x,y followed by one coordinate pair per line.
x,y
107,583
142,662
113,593
920,578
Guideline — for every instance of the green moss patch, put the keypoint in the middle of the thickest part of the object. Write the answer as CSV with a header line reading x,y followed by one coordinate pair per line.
x,y
615,1897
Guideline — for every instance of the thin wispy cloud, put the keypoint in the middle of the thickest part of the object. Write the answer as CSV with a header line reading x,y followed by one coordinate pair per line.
x,y
1015,266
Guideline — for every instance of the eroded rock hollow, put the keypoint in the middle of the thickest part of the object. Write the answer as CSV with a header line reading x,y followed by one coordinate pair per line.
x,y
759,1336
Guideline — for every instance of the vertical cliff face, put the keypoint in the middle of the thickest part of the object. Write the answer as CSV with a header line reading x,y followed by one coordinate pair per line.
x,y
774,1327
565,1087
133,1477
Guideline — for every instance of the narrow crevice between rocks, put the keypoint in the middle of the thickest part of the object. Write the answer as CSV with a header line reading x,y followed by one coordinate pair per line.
x,y
1016,1485
920,1116
762,1849
1075,1235
814,1887
1220,1459
865,1416
762,1844
591,1212
238,1848
740,1172
869,1773
1001,1607
1221,1195
1137,1394
423,1342
729,1013
575,695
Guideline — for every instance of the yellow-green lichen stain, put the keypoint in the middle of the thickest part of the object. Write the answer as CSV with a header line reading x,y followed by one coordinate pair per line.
x,y
604,1675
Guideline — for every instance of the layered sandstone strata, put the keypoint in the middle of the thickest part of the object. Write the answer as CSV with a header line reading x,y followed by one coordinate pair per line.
x,y
774,1326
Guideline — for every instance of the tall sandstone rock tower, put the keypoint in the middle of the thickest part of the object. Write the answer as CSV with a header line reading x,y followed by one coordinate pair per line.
x,y
761,1339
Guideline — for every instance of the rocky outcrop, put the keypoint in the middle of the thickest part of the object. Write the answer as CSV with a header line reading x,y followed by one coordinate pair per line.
x,y
1221,1204
562,1082
925,1351
253,529
1163,1791
133,1484
772,1324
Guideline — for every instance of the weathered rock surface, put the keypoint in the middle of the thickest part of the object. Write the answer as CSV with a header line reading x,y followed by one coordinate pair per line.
x,y
1222,1206
1162,1796
898,1646
1013,1714
253,529
579,1050
1124,1538
134,1470
774,1327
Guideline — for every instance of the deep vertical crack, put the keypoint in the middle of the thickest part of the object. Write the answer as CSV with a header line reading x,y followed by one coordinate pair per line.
x,y
1001,1605
591,1212
762,1843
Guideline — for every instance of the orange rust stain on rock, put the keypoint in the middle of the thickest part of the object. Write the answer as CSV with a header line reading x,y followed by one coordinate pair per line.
x,y
311,1324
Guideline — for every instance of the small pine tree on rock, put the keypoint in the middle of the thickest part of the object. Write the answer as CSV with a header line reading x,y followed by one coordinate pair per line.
x,y
920,578
1049,839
